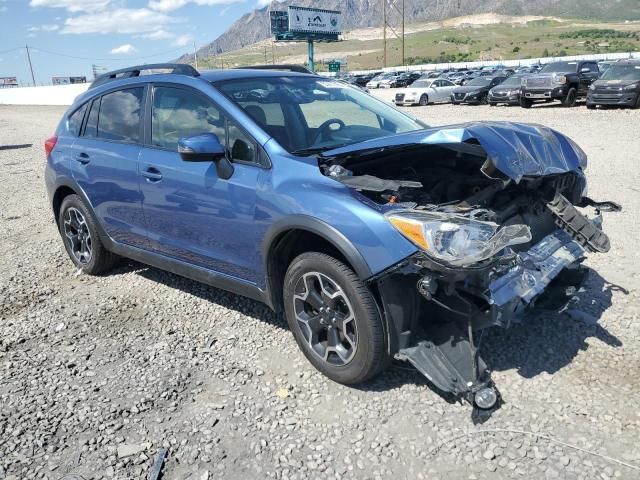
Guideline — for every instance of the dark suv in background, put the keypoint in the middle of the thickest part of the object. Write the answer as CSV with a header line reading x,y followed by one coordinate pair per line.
x,y
564,81
619,85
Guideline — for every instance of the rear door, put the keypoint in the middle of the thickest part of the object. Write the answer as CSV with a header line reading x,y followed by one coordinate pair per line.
x,y
105,163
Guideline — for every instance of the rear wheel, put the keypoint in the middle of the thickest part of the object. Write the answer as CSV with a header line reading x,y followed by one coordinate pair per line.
x,y
80,235
571,98
334,318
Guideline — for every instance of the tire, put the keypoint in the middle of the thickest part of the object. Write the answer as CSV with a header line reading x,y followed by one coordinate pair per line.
x,y
591,106
637,104
84,248
424,101
570,99
492,104
455,103
362,350
526,103
484,100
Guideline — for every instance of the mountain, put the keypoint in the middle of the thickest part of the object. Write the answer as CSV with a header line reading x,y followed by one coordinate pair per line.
x,y
254,26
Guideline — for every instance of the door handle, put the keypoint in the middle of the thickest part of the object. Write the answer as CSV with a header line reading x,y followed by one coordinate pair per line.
x,y
152,174
83,158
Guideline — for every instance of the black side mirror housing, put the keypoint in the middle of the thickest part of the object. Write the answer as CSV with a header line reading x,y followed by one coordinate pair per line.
x,y
206,147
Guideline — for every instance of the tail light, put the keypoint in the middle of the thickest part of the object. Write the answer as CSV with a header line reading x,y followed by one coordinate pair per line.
x,y
49,143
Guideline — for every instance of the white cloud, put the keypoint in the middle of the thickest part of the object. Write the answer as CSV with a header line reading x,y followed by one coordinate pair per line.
x,y
44,28
73,5
263,3
123,49
120,20
158,35
169,5
183,40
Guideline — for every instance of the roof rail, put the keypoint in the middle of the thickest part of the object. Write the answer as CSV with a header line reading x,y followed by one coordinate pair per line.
x,y
283,67
177,68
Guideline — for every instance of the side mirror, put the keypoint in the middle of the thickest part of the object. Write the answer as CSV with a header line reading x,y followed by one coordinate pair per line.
x,y
584,70
206,147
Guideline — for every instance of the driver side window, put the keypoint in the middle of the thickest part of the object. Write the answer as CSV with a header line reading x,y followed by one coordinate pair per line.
x,y
178,113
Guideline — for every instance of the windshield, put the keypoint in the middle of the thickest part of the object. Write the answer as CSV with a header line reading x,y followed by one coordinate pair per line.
x,y
622,72
479,82
560,67
309,114
511,81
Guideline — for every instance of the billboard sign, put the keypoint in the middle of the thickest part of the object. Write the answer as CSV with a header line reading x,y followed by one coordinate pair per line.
x,y
315,20
67,80
8,82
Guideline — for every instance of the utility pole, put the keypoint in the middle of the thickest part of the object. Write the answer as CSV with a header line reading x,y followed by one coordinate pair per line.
x,y
384,31
390,13
402,32
33,78
195,54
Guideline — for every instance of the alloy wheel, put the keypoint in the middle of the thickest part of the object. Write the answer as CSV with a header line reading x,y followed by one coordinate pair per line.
x,y
326,318
77,234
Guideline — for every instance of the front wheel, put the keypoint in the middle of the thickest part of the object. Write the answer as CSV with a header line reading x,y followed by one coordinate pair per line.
x,y
571,98
526,103
637,104
334,318
424,100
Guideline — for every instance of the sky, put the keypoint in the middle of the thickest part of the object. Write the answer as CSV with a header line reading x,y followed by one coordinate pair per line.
x,y
66,37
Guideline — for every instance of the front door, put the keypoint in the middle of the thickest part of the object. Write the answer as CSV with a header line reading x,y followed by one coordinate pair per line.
x,y
192,214
105,163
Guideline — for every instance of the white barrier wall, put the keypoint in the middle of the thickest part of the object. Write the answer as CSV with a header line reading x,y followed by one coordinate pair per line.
x,y
49,95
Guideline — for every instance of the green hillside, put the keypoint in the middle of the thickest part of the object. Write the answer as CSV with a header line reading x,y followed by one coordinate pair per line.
x,y
459,44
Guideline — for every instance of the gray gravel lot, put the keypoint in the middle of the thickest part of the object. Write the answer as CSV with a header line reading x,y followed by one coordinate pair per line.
x,y
99,373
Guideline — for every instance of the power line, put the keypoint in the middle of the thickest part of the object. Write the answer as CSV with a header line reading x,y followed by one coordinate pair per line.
x,y
38,49
11,50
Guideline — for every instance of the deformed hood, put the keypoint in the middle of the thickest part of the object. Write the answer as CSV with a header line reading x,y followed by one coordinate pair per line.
x,y
515,149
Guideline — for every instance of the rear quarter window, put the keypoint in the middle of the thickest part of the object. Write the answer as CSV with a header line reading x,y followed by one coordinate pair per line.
x,y
75,120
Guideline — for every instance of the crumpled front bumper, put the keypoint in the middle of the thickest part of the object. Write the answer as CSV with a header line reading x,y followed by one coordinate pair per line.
x,y
533,272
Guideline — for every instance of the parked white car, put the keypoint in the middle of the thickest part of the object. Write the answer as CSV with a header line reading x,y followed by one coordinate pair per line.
x,y
389,80
425,91
376,82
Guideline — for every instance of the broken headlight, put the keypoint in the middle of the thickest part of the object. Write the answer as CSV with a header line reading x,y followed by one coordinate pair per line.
x,y
455,239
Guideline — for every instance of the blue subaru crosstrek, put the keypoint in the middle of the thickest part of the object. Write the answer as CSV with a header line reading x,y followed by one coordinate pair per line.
x,y
377,236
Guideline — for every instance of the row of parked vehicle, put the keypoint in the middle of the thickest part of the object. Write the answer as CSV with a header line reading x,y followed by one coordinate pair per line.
x,y
613,83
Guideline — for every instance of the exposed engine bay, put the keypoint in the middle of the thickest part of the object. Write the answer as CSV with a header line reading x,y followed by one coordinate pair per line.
x,y
491,245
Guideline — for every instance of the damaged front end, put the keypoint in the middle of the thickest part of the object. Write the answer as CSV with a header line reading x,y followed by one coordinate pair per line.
x,y
498,213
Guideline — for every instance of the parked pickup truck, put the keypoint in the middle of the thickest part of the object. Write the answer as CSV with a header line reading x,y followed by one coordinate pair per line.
x,y
564,81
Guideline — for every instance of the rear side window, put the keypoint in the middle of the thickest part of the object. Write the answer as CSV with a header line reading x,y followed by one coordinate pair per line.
x,y
75,120
120,114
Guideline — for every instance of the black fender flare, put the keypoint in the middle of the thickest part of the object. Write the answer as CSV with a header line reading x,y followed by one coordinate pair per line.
x,y
78,191
322,229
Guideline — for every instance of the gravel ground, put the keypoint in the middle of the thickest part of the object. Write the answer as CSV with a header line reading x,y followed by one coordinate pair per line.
x,y
97,374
